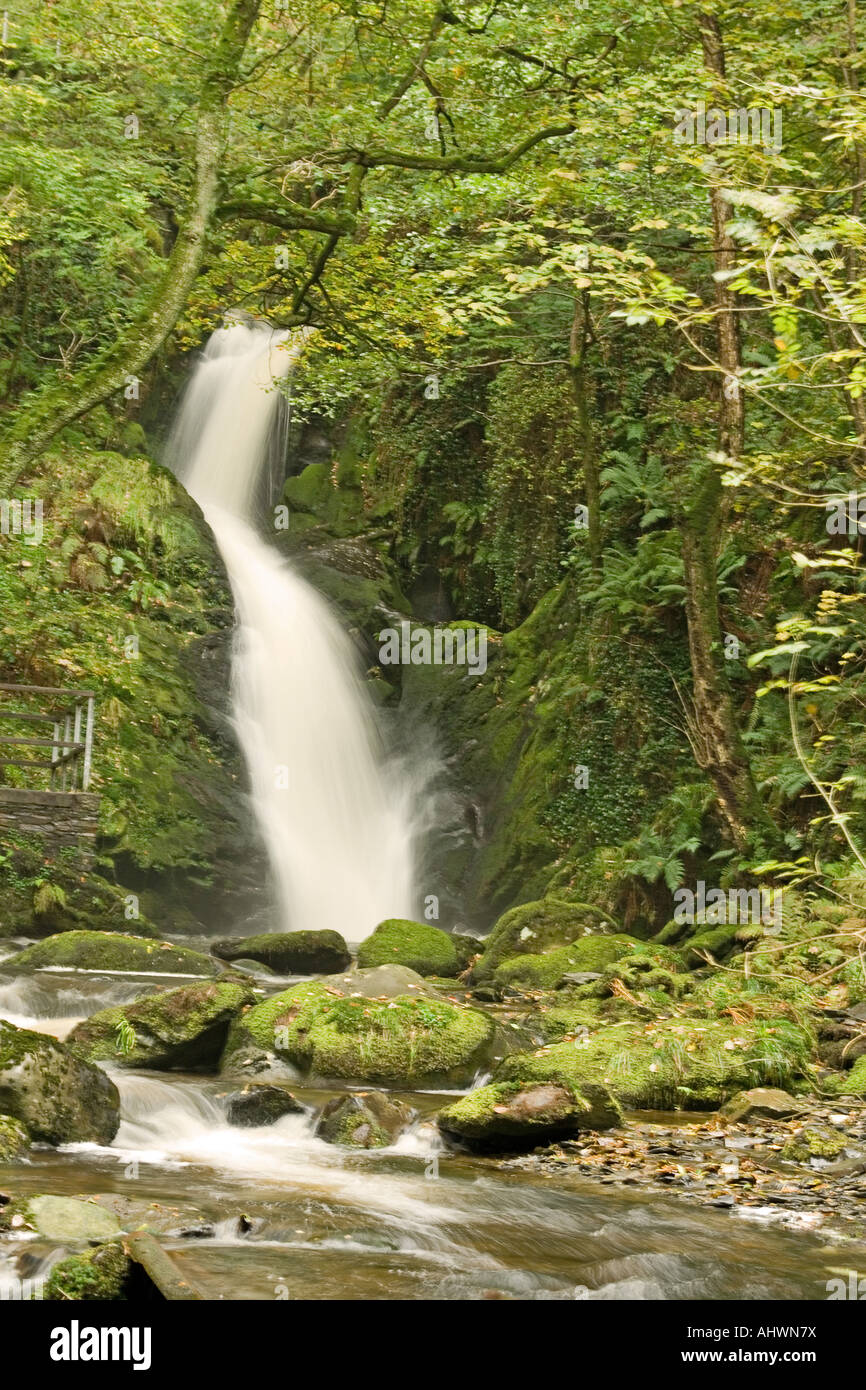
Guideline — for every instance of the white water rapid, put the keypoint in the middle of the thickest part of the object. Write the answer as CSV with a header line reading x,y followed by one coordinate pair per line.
x,y
334,814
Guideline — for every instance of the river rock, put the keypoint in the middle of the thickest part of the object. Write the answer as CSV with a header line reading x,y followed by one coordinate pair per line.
x,y
98,1275
534,928
332,1029
114,951
762,1102
57,1095
514,1115
181,1029
63,1219
588,956
366,1120
290,953
423,948
260,1104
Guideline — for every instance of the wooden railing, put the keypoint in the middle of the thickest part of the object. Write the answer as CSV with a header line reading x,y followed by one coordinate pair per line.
x,y
69,713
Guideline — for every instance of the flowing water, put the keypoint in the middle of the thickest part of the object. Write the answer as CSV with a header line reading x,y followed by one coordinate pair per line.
x,y
274,1212
333,811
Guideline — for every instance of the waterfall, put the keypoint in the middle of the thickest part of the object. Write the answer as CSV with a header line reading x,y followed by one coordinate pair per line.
x,y
333,813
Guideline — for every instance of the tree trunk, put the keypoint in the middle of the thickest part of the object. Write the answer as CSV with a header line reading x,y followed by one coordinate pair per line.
x,y
47,412
717,740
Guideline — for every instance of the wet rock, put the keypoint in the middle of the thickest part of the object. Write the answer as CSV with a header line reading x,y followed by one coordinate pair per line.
x,y
181,1029
97,950
369,1120
290,953
64,1219
512,1114
260,1104
57,1095
765,1102
418,945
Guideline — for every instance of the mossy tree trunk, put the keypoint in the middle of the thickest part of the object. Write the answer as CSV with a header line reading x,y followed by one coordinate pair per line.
x,y
44,414
716,737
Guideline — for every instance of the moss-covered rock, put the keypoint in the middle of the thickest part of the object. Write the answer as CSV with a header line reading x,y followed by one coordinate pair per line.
x,y
182,1029
417,944
815,1141
534,929
369,1120
93,1276
327,1031
14,1139
57,1095
511,1114
762,1103
852,1083
88,950
67,1220
688,1063
290,953
546,971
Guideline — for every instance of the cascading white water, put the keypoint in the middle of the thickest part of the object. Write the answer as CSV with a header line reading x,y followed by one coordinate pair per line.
x,y
334,816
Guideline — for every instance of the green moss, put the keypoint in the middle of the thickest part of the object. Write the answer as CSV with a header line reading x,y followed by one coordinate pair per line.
x,y
14,1139
85,950
416,944
687,1063
849,1083
96,1275
814,1142
402,1041
589,953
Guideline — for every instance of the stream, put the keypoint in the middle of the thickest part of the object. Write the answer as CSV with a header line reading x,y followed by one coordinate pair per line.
x,y
275,1213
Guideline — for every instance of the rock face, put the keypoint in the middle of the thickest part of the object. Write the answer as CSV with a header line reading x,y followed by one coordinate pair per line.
x,y
290,953
533,929
95,950
335,1028
762,1102
370,1120
183,1029
260,1104
514,1115
415,944
59,1097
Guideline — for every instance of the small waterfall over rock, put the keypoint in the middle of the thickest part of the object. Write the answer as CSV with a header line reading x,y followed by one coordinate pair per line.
x,y
334,814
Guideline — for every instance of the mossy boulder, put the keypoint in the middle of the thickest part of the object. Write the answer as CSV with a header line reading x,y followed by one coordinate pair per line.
x,y
93,1276
588,954
534,929
14,1139
67,1220
111,951
57,1095
512,1114
426,949
369,1120
290,953
689,1063
182,1029
852,1083
762,1103
326,1031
